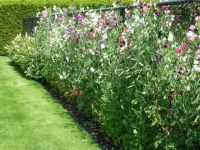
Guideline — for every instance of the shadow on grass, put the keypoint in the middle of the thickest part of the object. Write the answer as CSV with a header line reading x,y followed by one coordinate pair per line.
x,y
17,69
88,124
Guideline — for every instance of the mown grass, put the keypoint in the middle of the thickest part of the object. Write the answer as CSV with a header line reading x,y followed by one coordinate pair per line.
x,y
30,119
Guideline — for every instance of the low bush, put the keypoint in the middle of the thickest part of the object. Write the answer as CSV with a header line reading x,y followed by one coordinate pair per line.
x,y
139,78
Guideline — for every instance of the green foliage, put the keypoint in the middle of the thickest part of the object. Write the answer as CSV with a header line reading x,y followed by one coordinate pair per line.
x,y
137,79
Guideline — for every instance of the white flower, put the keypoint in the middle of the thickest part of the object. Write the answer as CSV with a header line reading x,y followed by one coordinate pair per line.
x,y
144,93
142,21
64,75
168,23
197,18
170,37
61,77
114,5
105,36
184,59
167,66
105,55
67,59
196,62
92,69
92,51
196,68
172,17
56,55
188,88
54,8
102,46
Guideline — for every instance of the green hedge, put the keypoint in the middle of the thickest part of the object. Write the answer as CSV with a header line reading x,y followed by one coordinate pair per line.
x,y
12,12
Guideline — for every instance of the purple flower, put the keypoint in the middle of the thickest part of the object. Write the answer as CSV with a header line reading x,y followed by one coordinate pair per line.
x,y
180,70
65,11
171,96
77,38
156,12
79,18
44,14
75,9
70,32
112,21
157,58
166,9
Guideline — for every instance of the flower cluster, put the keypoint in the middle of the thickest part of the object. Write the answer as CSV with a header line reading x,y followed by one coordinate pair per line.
x,y
131,74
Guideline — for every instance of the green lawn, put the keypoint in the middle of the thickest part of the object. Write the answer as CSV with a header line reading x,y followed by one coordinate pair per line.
x,y
30,119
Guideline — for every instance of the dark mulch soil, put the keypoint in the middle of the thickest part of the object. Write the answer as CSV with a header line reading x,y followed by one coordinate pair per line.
x,y
92,127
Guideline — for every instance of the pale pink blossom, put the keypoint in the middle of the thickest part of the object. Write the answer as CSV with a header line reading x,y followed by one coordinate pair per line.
x,y
192,27
197,18
191,35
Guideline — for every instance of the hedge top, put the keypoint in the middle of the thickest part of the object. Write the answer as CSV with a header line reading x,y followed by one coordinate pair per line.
x,y
63,2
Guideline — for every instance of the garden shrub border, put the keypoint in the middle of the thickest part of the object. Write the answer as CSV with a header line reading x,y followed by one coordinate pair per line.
x,y
87,104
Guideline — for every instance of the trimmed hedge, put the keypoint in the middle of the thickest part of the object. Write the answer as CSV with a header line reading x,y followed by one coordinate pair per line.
x,y
11,21
12,12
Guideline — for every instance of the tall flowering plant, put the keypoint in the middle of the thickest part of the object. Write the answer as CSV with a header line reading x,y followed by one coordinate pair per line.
x,y
136,78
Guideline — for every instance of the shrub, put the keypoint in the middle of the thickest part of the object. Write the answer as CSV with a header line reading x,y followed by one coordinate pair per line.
x,y
137,79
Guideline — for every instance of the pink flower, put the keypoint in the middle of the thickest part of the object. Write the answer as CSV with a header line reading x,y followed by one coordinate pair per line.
x,y
128,11
121,41
191,35
79,18
181,49
111,21
192,27
184,46
144,6
178,51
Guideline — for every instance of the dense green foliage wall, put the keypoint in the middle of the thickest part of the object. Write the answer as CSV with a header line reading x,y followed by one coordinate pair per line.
x,y
12,12
11,21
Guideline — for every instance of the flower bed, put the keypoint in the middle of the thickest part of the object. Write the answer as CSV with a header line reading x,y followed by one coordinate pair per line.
x,y
139,78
